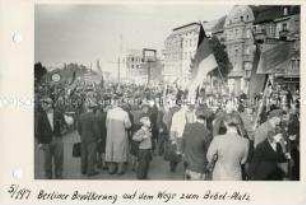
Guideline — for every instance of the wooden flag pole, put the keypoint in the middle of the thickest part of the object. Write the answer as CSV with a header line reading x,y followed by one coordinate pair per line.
x,y
261,105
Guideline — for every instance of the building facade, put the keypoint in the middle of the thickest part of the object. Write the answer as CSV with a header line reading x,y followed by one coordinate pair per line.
x,y
244,28
132,63
240,47
138,68
280,23
180,48
277,34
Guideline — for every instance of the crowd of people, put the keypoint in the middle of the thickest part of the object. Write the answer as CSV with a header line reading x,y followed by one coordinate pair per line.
x,y
124,127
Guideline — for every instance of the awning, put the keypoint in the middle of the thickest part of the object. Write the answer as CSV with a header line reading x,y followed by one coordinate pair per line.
x,y
281,61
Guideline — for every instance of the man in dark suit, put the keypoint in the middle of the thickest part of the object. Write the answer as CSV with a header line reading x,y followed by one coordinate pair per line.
x,y
50,126
266,158
195,143
87,128
101,128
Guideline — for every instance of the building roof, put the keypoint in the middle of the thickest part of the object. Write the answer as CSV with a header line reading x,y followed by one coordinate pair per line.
x,y
278,60
186,25
265,14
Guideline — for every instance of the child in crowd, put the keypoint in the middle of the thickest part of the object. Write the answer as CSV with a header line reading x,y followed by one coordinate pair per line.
x,y
144,137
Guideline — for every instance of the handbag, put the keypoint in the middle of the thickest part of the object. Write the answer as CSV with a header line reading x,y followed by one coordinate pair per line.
x,y
171,153
76,151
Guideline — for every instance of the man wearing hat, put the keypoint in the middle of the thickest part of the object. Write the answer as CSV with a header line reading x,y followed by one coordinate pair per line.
x,y
267,157
261,133
50,126
87,128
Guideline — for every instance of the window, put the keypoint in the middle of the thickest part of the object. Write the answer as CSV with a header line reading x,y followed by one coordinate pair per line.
x,y
285,11
272,30
284,27
248,51
241,18
248,73
249,34
248,66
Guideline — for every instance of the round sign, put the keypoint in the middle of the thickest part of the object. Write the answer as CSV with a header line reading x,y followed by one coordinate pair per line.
x,y
56,77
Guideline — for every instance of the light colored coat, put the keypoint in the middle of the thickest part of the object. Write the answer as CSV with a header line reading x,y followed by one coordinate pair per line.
x,y
117,121
232,151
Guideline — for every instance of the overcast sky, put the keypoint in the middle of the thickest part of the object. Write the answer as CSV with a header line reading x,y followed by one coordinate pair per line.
x,y
84,33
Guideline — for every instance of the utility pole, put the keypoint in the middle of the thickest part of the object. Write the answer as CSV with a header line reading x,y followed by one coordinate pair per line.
x,y
149,71
119,60
181,56
119,70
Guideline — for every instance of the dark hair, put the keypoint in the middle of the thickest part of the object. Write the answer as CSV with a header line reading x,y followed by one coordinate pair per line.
x,y
234,120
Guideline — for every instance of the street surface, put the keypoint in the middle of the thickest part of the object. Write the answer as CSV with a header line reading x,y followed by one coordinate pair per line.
x,y
159,168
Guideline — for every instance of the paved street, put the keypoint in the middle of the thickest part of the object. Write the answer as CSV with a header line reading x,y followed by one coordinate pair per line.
x,y
159,168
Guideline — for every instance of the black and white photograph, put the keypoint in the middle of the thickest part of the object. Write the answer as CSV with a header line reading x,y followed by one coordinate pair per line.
x,y
167,92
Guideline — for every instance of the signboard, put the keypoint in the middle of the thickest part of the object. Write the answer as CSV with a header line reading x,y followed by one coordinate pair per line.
x,y
56,77
149,54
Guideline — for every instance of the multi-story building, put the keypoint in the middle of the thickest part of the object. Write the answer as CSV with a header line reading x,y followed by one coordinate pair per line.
x,y
277,32
240,47
180,48
133,63
238,30
277,22
138,68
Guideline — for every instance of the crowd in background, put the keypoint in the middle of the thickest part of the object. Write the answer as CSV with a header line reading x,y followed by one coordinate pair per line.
x,y
122,127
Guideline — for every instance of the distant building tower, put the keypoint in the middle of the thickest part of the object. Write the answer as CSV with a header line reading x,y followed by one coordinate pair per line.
x,y
239,43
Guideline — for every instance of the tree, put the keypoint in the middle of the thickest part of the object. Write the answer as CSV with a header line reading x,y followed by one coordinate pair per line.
x,y
39,72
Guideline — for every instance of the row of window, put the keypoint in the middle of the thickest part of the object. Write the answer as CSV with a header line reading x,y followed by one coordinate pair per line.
x,y
239,19
182,43
178,56
243,18
271,29
134,66
238,33
133,59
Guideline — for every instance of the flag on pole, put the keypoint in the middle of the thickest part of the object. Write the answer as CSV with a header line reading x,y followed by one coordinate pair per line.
x,y
203,62
73,78
100,72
